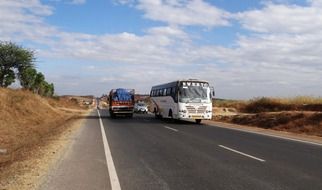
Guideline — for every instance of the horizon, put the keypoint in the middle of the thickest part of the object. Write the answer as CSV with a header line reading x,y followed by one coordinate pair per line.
x,y
244,49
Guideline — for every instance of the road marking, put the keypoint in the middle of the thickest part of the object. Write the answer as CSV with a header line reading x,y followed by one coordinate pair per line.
x,y
244,154
109,160
176,130
269,135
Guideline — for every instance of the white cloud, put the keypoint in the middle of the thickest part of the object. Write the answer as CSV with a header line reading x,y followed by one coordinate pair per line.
x,y
316,3
182,12
74,2
280,57
168,31
283,18
78,1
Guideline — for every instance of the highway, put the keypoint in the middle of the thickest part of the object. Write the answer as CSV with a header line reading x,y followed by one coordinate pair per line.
x,y
147,153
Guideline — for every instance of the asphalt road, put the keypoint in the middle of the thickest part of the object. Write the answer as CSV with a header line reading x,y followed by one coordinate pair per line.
x,y
147,153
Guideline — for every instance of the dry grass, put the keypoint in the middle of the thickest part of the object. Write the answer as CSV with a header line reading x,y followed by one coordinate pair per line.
x,y
225,103
25,119
300,114
298,122
264,104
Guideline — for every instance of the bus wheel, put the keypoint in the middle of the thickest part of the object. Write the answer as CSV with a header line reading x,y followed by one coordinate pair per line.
x,y
171,115
155,113
198,121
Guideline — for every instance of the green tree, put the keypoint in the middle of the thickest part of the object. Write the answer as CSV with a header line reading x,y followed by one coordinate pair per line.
x,y
38,83
51,90
27,78
13,59
46,89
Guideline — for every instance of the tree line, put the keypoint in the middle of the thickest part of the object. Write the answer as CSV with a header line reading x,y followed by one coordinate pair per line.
x,y
17,62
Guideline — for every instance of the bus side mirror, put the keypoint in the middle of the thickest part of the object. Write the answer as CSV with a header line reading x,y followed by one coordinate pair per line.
x,y
212,91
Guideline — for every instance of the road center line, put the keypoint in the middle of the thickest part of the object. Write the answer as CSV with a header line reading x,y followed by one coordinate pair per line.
x,y
109,160
176,130
244,154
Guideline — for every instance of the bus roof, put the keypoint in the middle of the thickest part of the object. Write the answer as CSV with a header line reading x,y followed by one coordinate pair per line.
x,y
174,83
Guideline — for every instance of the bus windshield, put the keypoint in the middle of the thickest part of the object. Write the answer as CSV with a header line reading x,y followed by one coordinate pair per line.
x,y
196,93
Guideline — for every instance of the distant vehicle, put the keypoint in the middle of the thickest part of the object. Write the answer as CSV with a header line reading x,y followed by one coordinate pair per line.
x,y
183,99
121,102
140,107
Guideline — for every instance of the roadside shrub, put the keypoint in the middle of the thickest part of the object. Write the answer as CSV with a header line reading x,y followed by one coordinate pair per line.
x,y
225,103
311,107
264,104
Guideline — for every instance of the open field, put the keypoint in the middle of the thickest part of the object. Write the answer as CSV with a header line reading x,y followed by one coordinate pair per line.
x,y
298,115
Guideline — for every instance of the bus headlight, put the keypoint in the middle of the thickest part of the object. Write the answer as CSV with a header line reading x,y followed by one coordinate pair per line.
x,y
208,111
183,111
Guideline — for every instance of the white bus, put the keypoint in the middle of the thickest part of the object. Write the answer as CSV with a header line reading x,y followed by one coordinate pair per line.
x,y
183,99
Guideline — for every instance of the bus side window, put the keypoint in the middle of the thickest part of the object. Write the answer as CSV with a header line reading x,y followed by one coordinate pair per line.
x,y
168,91
176,94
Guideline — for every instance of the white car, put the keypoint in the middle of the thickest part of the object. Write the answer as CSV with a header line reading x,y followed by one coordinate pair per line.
x,y
140,108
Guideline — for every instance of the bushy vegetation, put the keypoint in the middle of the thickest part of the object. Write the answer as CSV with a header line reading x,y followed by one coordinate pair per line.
x,y
297,122
226,103
17,62
265,104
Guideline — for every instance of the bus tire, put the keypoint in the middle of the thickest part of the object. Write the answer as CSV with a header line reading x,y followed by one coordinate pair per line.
x,y
112,115
198,121
170,113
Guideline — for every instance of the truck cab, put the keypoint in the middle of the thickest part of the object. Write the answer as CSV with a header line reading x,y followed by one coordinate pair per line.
x,y
121,102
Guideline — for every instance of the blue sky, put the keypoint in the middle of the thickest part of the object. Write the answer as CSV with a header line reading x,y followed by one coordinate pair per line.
x,y
244,48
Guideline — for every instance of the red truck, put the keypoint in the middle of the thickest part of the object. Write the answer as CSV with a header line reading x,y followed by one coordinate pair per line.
x,y
121,102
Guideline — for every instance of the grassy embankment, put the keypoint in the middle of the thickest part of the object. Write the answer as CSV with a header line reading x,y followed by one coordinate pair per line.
x,y
299,114
27,120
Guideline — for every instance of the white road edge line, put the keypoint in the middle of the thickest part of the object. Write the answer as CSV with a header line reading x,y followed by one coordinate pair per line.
x,y
176,130
270,135
244,154
109,160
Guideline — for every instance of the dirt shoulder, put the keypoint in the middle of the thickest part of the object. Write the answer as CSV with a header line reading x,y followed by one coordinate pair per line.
x,y
28,123
26,173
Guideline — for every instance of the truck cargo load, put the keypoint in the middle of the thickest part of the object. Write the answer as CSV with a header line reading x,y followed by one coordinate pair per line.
x,y
121,102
